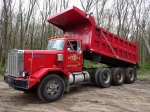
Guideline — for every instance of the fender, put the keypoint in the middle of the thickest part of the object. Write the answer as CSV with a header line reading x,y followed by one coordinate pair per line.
x,y
43,71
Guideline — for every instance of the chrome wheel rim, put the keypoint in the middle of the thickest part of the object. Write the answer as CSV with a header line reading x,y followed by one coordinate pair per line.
x,y
52,88
106,77
120,77
131,75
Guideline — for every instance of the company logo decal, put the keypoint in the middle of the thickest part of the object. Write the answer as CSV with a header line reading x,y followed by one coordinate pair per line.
x,y
73,57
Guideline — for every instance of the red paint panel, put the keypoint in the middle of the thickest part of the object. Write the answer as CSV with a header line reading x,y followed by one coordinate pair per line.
x,y
43,71
125,50
69,18
37,59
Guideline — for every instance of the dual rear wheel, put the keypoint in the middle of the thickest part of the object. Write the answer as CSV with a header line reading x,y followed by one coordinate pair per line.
x,y
130,75
118,76
103,77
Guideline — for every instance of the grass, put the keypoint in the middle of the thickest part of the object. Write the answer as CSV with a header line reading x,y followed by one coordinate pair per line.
x,y
144,71
89,64
2,71
1,77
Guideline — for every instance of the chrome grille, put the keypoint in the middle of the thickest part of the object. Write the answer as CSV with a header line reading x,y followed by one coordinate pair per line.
x,y
15,63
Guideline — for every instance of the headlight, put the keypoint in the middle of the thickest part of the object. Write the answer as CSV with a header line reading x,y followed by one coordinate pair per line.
x,y
24,74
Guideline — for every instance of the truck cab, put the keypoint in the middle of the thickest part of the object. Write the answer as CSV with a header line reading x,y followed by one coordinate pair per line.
x,y
53,69
71,58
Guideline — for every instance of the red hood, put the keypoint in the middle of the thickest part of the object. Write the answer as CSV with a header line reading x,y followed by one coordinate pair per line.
x,y
34,60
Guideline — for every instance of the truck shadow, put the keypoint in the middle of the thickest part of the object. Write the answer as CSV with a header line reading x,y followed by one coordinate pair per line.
x,y
80,87
21,98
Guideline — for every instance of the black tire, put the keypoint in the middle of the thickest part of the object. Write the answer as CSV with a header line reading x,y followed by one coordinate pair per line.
x,y
118,76
104,77
129,75
95,74
111,70
51,88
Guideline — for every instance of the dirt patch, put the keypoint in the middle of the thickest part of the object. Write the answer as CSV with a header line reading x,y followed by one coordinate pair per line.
x,y
81,98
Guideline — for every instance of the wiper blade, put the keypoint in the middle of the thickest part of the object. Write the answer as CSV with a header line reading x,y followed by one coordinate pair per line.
x,y
53,48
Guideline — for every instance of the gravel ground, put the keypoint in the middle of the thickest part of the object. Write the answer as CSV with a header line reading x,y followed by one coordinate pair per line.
x,y
82,98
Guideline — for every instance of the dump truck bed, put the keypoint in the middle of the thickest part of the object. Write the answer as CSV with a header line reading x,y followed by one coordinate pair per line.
x,y
108,47
114,50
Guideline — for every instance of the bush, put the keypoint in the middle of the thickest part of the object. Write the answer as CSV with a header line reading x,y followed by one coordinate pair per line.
x,y
90,64
144,71
2,69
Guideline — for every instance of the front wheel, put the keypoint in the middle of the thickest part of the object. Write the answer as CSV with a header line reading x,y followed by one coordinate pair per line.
x,y
51,88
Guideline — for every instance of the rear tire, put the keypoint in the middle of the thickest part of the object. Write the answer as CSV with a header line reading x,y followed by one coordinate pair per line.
x,y
129,75
51,88
96,73
118,76
104,77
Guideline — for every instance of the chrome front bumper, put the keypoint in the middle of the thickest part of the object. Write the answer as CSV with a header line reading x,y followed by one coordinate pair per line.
x,y
16,83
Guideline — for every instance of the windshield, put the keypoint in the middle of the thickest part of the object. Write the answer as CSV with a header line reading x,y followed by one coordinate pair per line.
x,y
55,45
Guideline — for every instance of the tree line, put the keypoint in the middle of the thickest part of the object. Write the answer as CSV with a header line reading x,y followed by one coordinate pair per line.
x,y
23,22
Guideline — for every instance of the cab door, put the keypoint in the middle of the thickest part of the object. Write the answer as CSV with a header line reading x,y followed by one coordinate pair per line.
x,y
73,56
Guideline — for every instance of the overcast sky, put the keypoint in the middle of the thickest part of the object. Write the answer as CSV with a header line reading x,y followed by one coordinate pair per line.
x,y
72,3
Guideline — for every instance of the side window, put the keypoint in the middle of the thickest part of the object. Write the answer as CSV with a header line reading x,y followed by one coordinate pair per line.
x,y
72,45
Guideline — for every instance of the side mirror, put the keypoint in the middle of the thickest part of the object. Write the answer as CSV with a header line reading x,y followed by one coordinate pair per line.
x,y
59,57
79,50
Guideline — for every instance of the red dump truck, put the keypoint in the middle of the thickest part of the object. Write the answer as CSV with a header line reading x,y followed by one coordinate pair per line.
x,y
51,72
